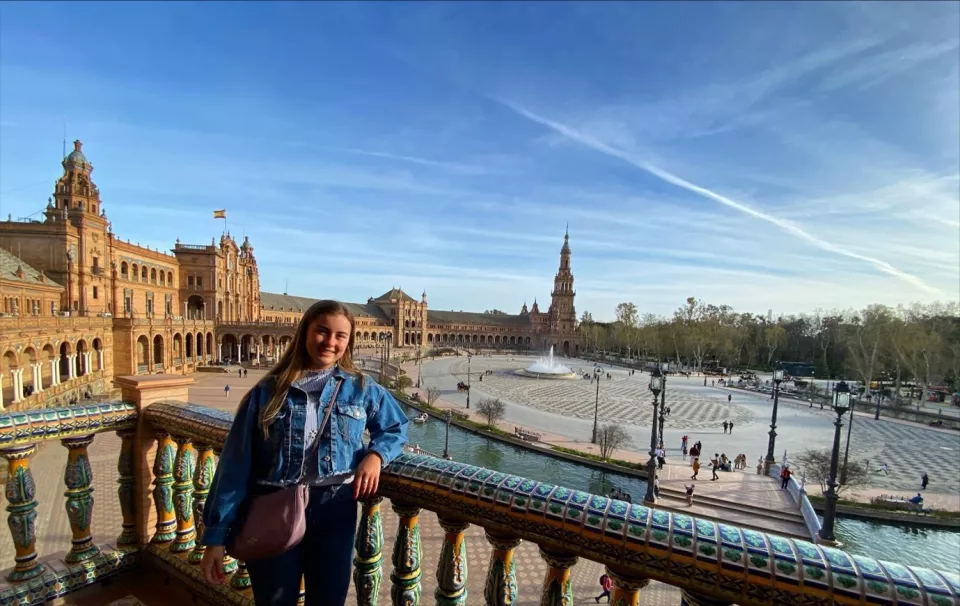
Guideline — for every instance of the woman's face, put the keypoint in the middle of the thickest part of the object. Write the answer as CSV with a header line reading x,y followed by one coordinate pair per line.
x,y
327,340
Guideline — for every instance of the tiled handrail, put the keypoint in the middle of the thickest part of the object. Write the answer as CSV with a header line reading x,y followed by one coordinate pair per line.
x,y
711,563
32,580
36,425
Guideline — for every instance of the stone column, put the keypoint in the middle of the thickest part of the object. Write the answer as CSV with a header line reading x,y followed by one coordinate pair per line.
x,y
17,374
407,554
21,491
127,481
38,376
452,567
626,588
557,584
1,394
89,363
78,477
368,563
72,366
54,372
100,359
202,480
501,586
183,469
166,529
219,352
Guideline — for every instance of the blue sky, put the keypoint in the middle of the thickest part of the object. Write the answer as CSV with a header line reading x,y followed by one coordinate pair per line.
x,y
781,156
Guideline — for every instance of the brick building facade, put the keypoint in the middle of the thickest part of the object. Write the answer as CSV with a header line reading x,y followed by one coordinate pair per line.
x,y
80,306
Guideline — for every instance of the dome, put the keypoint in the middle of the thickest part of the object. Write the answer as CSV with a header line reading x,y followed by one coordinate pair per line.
x,y
76,157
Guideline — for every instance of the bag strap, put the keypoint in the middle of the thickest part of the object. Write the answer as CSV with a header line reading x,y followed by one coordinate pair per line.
x,y
333,400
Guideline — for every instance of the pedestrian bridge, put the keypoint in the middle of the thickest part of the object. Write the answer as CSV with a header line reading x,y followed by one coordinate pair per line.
x,y
166,462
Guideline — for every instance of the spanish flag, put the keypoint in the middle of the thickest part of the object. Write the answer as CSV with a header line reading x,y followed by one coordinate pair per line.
x,y
220,214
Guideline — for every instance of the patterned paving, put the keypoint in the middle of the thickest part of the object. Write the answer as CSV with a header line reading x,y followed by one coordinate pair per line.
x,y
619,396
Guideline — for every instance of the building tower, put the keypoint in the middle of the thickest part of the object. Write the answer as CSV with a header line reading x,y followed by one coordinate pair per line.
x,y
85,269
563,315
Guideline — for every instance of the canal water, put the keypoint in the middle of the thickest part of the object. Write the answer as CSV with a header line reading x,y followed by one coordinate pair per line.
x,y
938,549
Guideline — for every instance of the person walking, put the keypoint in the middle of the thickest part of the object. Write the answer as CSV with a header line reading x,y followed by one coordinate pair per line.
x,y
725,424
606,584
714,465
696,469
924,480
689,490
226,391
785,477
303,424
731,426
729,397
661,457
240,372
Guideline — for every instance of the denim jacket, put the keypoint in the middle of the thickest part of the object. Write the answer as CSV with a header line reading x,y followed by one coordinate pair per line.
x,y
249,460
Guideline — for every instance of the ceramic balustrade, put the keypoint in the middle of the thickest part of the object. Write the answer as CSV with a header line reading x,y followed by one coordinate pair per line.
x,y
35,578
712,563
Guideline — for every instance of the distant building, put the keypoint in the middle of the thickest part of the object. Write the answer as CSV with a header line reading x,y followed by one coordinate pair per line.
x,y
81,306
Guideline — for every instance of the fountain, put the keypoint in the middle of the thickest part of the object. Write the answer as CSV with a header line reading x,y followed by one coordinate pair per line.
x,y
548,368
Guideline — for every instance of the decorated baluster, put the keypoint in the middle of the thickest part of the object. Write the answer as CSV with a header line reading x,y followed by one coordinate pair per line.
x,y
20,491
162,488
241,579
183,495
557,584
406,557
78,477
501,586
689,598
626,588
368,562
126,491
452,567
202,478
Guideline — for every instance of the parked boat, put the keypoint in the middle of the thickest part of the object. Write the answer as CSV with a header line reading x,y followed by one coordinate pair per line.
x,y
421,418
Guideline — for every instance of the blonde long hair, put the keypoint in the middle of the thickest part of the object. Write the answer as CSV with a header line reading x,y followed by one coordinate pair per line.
x,y
296,359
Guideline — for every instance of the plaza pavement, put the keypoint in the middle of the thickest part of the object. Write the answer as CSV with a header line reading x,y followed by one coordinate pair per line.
x,y
53,528
563,410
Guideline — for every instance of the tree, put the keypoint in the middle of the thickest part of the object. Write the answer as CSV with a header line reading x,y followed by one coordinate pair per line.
x,y
404,382
627,314
495,312
433,394
816,464
492,411
610,437
586,317
863,340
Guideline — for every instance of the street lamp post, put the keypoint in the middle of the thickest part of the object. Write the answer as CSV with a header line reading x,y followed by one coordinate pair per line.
x,y
771,444
596,407
664,367
876,415
447,416
656,384
469,357
419,367
841,404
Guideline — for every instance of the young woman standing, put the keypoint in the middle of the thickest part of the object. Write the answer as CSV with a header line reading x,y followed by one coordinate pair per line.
x,y
283,436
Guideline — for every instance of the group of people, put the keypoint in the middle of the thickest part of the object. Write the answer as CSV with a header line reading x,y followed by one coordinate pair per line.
x,y
620,495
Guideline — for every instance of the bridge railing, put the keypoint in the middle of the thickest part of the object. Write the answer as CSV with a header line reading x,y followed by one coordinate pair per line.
x,y
711,563
32,580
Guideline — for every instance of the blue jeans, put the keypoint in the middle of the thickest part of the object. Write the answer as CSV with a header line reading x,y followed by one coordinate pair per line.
x,y
324,559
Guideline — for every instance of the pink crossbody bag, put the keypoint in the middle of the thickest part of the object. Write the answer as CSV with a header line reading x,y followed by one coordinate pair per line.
x,y
276,522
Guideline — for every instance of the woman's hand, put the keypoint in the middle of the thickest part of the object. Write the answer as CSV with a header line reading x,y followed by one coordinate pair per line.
x,y
366,479
212,564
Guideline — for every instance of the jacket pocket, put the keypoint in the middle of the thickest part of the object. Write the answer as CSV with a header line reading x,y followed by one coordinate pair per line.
x,y
351,420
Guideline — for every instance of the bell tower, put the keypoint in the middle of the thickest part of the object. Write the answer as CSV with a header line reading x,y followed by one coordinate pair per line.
x,y
563,315
76,197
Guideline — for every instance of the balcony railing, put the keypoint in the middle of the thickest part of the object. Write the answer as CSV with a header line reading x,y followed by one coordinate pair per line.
x,y
711,563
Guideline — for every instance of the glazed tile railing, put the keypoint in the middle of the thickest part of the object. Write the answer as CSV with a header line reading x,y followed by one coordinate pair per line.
x,y
32,581
711,563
